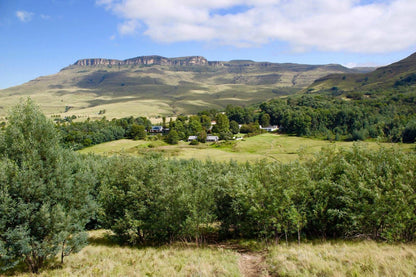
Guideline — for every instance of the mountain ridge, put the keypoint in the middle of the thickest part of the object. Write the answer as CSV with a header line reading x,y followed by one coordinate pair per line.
x,y
155,85
198,60
400,73
147,60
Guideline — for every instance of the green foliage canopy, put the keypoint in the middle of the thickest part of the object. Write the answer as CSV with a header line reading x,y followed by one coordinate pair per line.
x,y
336,194
45,199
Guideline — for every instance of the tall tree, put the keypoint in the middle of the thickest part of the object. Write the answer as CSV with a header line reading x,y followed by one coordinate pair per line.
x,y
137,132
172,137
234,127
223,124
44,202
265,120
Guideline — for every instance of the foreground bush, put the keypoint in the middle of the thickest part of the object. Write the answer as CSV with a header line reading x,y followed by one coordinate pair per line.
x,y
44,196
348,194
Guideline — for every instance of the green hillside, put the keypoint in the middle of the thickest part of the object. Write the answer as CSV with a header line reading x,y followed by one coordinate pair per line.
x,y
153,86
397,76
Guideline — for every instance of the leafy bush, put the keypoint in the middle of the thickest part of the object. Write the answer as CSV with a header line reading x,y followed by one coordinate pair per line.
x,y
45,199
409,133
339,194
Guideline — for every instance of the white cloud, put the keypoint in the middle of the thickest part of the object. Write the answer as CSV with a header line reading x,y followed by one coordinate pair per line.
x,y
24,16
365,64
129,27
326,25
45,17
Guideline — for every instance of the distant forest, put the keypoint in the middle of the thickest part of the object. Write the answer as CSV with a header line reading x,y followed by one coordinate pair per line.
x,y
386,117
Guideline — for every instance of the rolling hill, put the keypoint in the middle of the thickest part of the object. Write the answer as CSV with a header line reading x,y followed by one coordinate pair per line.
x,y
399,75
154,85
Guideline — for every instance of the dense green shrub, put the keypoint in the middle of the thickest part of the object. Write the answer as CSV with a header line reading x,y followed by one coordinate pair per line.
x,y
45,199
338,194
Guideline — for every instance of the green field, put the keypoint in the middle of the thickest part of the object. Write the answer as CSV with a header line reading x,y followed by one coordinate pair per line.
x,y
282,148
245,258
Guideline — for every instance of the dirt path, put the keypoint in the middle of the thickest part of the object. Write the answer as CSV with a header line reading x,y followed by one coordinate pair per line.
x,y
251,265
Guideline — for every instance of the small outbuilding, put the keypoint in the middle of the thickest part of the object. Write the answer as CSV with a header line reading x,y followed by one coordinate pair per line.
x,y
271,128
212,138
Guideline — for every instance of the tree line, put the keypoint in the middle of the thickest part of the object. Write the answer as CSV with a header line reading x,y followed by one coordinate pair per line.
x,y
78,135
389,118
49,196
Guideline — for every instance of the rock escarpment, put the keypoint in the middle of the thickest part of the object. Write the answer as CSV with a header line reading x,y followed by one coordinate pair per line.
x,y
149,60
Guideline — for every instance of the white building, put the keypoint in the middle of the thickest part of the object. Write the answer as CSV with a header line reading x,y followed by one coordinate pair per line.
x,y
212,138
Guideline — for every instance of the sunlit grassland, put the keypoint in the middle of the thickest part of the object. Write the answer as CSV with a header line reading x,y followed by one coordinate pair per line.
x,y
103,258
365,258
268,146
135,90
138,91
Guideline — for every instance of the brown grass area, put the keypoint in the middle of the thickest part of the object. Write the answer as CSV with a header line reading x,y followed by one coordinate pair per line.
x,y
102,258
343,259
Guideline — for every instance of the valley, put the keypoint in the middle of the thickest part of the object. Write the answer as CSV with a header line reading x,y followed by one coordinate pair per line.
x,y
266,147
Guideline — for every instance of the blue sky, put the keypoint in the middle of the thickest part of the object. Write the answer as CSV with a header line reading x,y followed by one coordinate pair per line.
x,y
40,37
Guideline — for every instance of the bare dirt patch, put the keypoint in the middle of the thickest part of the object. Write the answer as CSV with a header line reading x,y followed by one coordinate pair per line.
x,y
252,264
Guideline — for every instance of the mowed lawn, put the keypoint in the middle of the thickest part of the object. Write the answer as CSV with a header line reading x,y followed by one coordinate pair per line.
x,y
268,146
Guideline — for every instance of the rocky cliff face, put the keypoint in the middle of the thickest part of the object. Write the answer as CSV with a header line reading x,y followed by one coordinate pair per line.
x,y
150,60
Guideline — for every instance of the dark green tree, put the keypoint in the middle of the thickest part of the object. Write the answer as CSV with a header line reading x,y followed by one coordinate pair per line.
x,y
234,127
205,122
164,122
409,133
265,120
137,132
202,136
194,126
172,137
223,124
44,200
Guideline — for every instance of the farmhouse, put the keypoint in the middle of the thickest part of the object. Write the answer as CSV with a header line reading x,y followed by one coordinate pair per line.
x,y
156,129
212,138
271,128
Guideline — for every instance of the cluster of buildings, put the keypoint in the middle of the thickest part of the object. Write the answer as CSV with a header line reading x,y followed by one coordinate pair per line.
x,y
210,138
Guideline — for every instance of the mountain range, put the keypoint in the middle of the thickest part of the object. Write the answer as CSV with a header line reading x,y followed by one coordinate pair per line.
x,y
154,85
396,76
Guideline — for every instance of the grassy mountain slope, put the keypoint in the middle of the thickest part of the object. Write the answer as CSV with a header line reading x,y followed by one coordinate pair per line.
x,y
395,76
123,89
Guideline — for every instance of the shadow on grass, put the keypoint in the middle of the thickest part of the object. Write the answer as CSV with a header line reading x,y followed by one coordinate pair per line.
x,y
103,242
108,239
